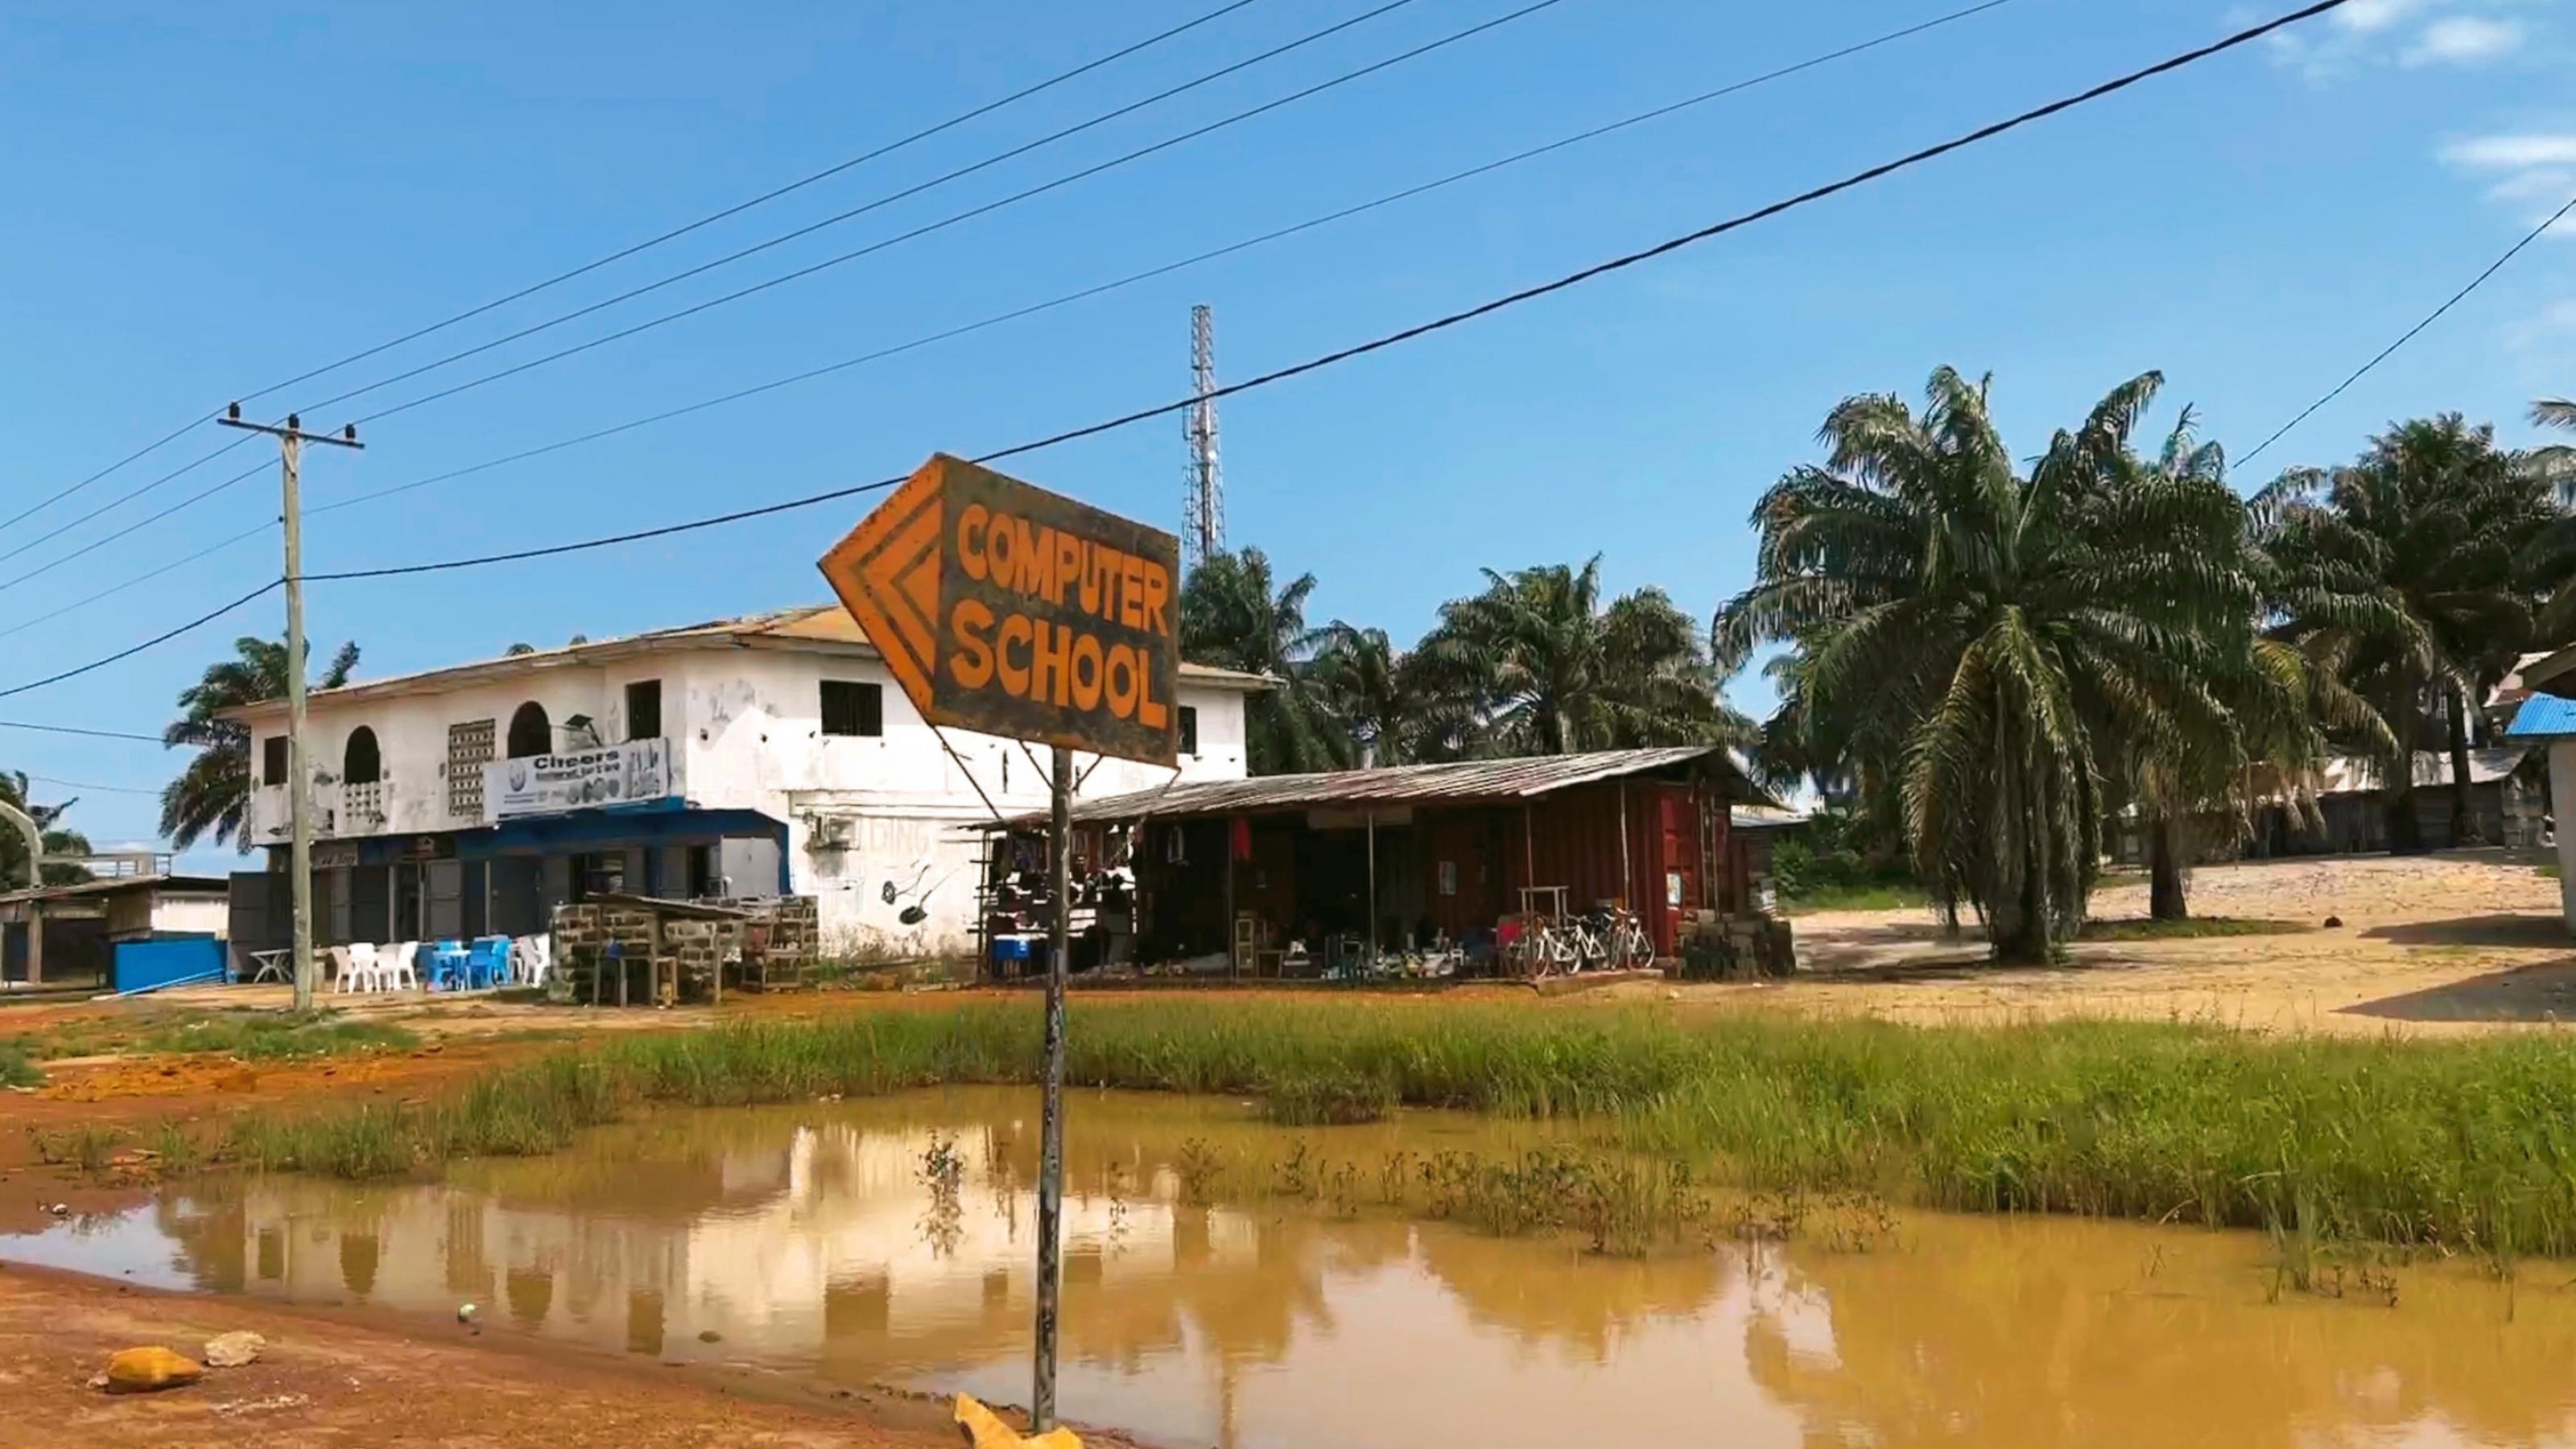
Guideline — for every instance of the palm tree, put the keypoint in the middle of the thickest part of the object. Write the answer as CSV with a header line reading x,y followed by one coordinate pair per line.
x,y
1366,688
212,795
2439,526
1232,616
13,845
1536,665
1986,648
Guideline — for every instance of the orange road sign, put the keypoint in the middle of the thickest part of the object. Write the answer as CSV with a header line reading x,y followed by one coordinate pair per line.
x,y
1008,610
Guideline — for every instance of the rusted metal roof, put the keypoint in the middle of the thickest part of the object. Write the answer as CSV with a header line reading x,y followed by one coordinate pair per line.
x,y
172,885
1518,778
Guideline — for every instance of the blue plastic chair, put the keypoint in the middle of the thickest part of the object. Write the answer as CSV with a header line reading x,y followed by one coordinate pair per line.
x,y
448,961
488,962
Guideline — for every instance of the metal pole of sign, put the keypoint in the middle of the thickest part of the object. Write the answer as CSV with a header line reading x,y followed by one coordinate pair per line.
x,y
1051,1128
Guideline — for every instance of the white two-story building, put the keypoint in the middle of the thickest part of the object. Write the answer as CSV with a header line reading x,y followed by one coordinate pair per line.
x,y
766,755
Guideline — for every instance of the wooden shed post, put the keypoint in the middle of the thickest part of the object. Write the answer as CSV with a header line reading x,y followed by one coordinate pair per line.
x,y
1529,853
1627,878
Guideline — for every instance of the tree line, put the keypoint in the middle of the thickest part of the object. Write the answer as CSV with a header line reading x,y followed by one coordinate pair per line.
x,y
1536,663
1987,661
1983,660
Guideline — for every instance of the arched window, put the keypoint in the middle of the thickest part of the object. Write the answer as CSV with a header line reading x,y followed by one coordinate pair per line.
x,y
362,763
530,732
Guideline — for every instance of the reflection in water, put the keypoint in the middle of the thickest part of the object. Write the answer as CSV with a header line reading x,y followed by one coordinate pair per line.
x,y
887,1242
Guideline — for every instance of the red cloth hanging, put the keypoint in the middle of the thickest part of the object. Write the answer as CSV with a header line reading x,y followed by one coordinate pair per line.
x,y
1242,834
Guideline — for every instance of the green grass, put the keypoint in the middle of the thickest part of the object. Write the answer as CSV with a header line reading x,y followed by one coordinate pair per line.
x,y
1881,896
18,1067
2136,929
250,1035
2466,1144
268,1036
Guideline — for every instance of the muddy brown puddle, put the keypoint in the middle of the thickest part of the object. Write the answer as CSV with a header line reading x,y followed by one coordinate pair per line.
x,y
888,1242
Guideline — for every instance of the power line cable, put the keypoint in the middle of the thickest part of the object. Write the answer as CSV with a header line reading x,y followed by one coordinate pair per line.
x,y
955,218
122,499
1164,269
1418,330
131,650
2409,335
774,193
143,578
15,724
1572,279
61,784
154,446
1062,300
94,545
673,234
863,209
803,272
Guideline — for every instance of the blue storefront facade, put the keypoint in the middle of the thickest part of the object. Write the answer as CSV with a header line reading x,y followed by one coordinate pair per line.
x,y
507,878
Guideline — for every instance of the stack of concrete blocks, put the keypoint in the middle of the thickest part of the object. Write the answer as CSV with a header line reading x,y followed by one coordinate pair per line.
x,y
700,949
1716,947
795,932
583,934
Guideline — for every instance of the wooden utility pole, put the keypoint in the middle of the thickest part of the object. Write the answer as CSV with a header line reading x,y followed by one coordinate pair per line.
x,y
1051,1120
291,439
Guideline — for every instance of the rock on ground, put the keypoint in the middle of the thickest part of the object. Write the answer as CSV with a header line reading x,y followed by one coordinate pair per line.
x,y
142,1370
233,1350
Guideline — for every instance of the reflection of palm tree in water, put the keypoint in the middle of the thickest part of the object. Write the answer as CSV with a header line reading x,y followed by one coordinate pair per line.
x,y
1552,1289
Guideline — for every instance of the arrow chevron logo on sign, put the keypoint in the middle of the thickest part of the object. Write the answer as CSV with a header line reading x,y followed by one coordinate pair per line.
x,y
1006,609
887,574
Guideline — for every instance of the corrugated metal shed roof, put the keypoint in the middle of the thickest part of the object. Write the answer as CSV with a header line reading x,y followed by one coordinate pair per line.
x,y
203,885
1763,817
2543,717
1511,779
2346,773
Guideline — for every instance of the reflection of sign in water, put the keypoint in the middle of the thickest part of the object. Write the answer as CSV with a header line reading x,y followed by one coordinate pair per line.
x,y
581,780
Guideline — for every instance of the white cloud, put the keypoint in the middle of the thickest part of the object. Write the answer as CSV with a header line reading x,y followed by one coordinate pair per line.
x,y
2513,152
2541,183
2365,35
2463,40
2367,16
2534,172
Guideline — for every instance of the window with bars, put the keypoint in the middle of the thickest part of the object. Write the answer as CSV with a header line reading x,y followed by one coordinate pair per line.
x,y
853,708
469,747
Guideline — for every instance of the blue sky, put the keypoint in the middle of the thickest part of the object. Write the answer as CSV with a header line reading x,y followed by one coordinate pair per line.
x,y
206,200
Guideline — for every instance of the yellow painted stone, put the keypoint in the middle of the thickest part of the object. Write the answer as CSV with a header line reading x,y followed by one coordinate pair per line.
x,y
141,1370
985,1431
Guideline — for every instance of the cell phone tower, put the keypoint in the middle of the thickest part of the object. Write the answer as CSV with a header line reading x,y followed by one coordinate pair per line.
x,y
1203,502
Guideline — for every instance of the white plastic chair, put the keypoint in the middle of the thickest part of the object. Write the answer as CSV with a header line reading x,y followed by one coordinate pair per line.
x,y
531,957
361,963
344,970
400,973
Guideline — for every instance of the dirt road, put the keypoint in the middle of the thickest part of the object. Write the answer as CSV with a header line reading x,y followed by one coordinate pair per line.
x,y
2428,945
334,1381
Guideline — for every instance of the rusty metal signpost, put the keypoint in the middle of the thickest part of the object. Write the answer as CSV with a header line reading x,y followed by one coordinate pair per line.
x,y
1008,610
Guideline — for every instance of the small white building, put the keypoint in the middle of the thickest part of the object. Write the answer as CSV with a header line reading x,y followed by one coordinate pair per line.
x,y
766,755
